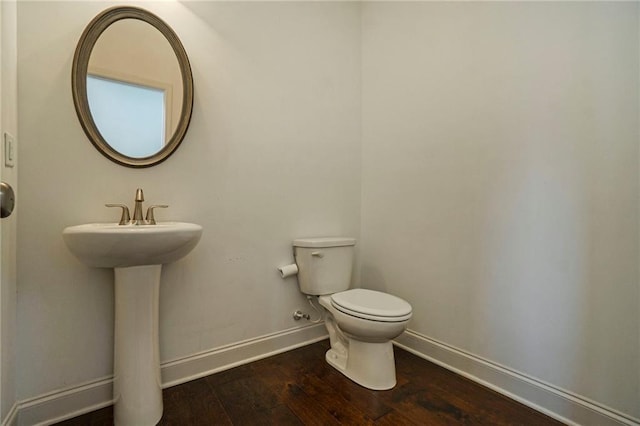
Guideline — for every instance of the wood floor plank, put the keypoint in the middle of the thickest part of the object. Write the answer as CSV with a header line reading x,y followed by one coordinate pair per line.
x,y
307,409
427,407
282,378
280,415
194,403
395,418
372,404
338,407
246,399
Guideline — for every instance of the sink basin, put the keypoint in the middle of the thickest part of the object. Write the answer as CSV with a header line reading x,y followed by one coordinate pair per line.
x,y
109,245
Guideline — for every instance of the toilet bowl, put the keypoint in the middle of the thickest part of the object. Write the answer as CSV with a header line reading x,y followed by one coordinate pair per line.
x,y
361,347
361,323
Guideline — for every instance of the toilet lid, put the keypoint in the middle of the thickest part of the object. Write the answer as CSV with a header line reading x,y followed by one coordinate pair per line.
x,y
371,304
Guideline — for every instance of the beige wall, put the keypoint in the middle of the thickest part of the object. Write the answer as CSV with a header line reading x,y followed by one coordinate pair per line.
x,y
500,183
272,154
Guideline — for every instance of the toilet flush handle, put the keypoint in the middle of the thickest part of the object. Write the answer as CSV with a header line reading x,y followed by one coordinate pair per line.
x,y
317,254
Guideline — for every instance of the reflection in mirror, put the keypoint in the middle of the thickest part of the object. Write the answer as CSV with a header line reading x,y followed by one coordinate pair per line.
x,y
130,116
132,86
126,84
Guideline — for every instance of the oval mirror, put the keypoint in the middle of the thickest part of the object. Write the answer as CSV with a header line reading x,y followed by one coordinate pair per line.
x,y
132,86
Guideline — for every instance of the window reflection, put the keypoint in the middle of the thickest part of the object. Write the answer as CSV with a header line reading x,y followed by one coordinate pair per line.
x,y
131,117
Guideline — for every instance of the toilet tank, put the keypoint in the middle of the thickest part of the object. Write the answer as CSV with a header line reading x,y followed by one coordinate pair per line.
x,y
324,264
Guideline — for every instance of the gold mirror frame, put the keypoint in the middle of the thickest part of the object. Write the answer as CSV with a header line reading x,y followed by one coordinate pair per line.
x,y
79,84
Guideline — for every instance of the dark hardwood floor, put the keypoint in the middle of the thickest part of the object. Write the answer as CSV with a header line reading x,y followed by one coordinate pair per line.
x,y
300,388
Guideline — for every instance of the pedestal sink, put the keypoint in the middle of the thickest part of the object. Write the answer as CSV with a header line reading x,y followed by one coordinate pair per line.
x,y
136,253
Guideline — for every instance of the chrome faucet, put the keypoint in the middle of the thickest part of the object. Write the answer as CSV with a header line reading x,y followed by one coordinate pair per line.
x,y
126,219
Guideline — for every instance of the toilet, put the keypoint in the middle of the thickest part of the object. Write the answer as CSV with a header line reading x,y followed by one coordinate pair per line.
x,y
361,323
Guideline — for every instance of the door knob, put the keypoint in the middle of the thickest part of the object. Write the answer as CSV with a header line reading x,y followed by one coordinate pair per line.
x,y
7,199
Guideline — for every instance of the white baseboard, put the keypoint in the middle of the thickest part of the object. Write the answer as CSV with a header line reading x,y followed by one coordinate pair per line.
x,y
203,364
11,418
73,401
66,403
560,404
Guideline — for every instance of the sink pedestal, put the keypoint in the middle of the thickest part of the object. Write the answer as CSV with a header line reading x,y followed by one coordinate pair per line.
x,y
137,391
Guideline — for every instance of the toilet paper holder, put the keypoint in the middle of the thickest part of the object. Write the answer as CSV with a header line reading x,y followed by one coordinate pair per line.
x,y
288,270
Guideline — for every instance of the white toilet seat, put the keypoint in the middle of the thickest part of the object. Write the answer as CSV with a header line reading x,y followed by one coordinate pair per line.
x,y
371,305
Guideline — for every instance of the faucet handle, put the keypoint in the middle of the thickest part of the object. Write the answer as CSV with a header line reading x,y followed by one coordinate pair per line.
x,y
125,218
149,218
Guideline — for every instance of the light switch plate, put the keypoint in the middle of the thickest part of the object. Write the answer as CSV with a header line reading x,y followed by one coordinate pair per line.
x,y
9,150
